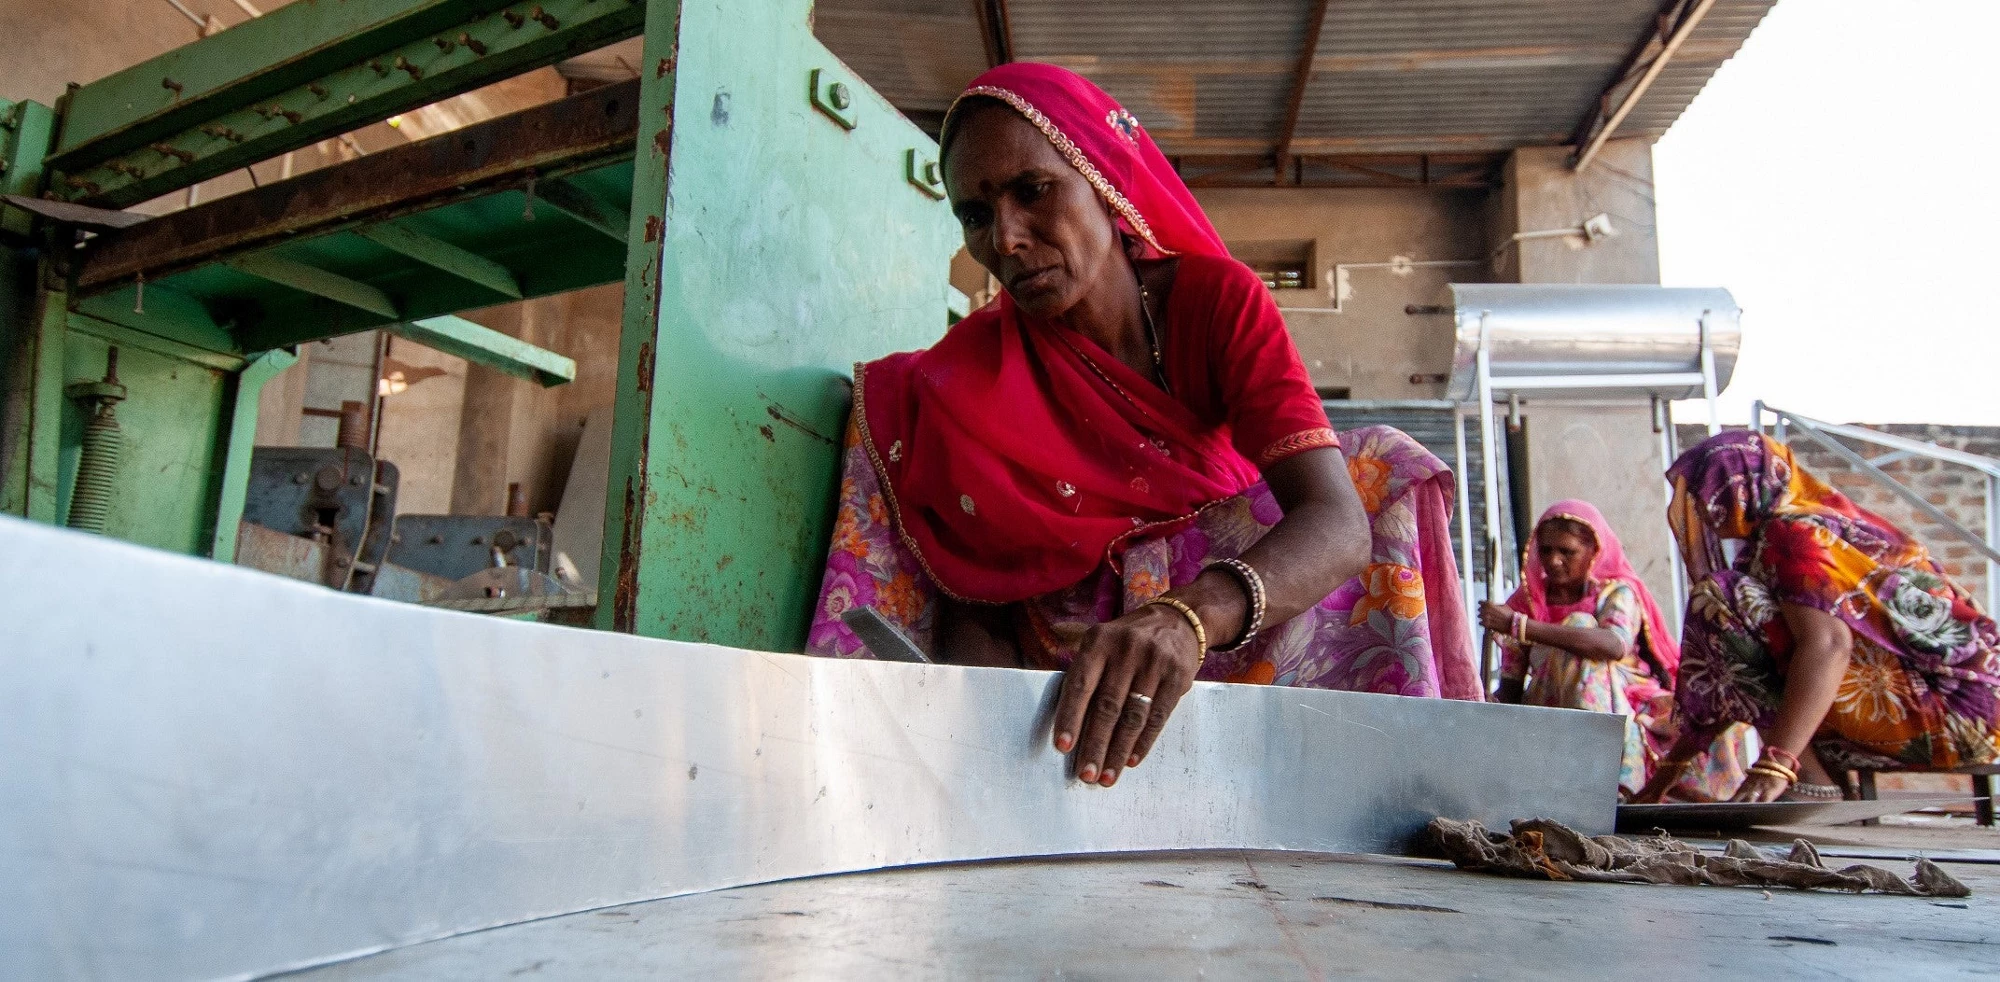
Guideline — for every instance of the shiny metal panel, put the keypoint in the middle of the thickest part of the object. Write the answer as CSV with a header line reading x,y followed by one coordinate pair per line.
x,y
1593,333
213,772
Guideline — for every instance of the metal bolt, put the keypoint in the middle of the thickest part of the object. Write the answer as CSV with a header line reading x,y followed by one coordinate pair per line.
x,y
171,85
436,540
478,540
838,95
223,133
291,115
514,20
316,89
404,64
478,47
444,44
376,63
544,18
121,167
354,481
301,478
3,167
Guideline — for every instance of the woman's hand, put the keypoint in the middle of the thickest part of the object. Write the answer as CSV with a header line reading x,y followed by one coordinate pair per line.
x,y
1120,689
1496,618
1760,786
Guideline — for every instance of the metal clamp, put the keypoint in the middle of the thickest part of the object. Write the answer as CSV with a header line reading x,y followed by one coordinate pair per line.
x,y
831,96
924,174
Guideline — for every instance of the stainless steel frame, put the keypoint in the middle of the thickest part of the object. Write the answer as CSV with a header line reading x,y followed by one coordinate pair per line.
x,y
213,772
1557,342
1823,433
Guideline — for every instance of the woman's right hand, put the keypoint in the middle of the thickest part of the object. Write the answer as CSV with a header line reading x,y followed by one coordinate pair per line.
x,y
1760,786
1496,618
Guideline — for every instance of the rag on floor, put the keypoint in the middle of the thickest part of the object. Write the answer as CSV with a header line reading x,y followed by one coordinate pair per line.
x,y
1545,850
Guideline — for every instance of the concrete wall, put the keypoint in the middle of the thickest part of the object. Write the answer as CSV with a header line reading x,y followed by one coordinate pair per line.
x,y
1607,454
1371,347
1543,193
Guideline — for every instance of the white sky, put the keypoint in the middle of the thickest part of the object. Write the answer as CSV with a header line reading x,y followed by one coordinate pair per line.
x,y
1839,178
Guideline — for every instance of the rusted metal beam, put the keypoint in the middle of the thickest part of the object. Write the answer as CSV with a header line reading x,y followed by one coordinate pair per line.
x,y
1670,42
994,31
583,131
1301,77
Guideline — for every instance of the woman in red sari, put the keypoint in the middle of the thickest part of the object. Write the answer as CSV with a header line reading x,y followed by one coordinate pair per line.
x,y
1120,468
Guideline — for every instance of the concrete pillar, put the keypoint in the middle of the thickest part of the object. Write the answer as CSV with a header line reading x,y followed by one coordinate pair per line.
x,y
1603,452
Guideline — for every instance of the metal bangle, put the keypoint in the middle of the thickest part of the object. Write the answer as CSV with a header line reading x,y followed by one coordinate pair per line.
x,y
1194,621
1253,589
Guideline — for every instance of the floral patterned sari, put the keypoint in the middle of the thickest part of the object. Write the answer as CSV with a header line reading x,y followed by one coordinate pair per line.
x,y
1921,684
1400,628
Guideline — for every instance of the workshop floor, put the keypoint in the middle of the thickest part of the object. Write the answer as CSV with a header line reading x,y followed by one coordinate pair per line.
x,y
1255,915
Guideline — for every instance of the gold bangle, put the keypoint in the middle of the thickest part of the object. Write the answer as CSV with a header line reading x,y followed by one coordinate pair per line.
x,y
1194,621
1774,770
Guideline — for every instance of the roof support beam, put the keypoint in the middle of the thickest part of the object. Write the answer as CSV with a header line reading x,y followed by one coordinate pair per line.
x,y
316,281
1301,76
994,31
485,346
580,205
1670,42
441,255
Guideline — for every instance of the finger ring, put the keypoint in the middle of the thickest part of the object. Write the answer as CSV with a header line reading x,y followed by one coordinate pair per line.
x,y
1143,700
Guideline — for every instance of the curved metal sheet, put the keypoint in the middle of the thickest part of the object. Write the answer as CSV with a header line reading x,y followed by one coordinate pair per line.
x,y
1594,331
213,772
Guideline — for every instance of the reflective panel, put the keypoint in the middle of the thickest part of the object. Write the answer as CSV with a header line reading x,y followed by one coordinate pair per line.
x,y
214,772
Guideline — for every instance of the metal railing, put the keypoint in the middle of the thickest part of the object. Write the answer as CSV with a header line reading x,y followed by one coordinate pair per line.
x,y
1824,433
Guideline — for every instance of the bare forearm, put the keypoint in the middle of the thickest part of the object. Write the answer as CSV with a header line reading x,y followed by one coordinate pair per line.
x,y
1594,643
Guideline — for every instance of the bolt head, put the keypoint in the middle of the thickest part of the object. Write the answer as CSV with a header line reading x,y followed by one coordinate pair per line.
x,y
838,95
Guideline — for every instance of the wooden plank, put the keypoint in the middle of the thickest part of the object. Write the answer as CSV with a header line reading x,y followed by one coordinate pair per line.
x,y
316,281
441,255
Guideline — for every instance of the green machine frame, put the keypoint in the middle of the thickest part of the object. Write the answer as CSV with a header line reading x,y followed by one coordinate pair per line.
x,y
772,218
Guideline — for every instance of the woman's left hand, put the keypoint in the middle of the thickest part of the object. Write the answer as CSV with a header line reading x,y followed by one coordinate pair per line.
x,y
1496,618
1120,689
1760,786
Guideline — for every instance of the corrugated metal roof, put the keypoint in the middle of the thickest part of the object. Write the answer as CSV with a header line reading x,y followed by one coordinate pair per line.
x,y
1213,77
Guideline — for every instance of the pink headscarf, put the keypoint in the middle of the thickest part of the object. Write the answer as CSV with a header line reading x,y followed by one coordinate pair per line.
x,y
1109,147
1012,463
1532,599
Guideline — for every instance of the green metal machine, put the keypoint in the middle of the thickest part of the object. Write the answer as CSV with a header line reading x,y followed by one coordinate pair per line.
x,y
772,218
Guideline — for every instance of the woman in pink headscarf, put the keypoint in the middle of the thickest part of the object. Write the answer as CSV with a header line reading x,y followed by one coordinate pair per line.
x,y
1119,468
1583,632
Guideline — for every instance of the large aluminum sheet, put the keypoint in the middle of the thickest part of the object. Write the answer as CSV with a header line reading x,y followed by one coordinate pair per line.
x,y
214,772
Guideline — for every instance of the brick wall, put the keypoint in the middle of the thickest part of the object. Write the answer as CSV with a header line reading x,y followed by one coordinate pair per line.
x,y
1957,491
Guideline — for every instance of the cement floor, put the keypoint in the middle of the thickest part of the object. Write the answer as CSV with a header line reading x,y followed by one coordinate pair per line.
x,y
1243,915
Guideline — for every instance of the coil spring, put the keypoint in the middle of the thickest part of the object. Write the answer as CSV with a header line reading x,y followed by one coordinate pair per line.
x,y
96,472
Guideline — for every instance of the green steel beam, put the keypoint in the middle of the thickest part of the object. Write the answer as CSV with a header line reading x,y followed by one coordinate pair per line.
x,y
485,346
302,73
238,442
26,128
772,246
444,257
31,408
603,217
317,282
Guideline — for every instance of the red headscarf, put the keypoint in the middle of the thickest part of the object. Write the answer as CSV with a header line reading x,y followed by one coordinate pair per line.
x,y
1532,598
1016,455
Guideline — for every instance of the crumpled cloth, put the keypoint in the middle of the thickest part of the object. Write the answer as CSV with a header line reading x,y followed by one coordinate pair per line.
x,y
1543,850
